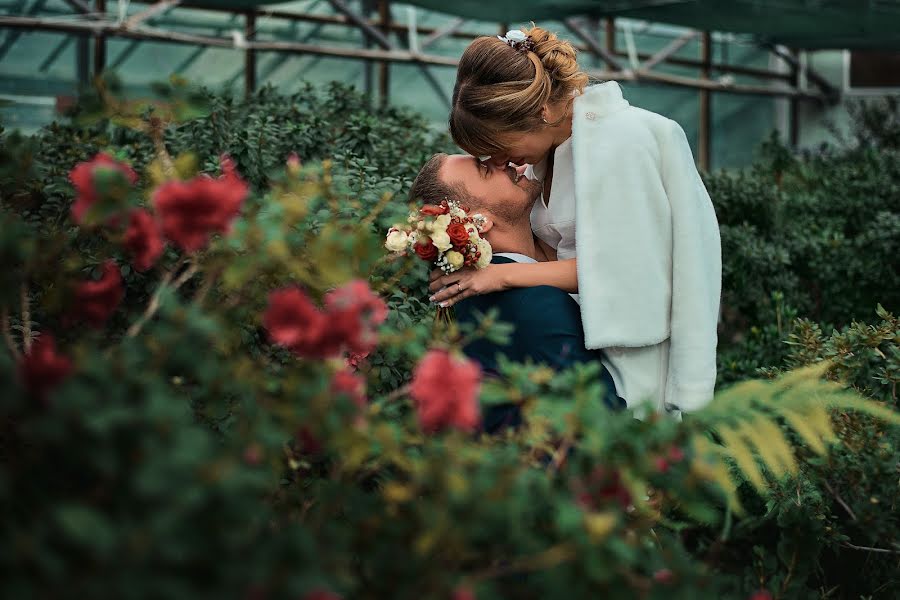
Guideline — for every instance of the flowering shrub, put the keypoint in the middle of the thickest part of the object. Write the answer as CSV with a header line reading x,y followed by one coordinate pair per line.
x,y
266,410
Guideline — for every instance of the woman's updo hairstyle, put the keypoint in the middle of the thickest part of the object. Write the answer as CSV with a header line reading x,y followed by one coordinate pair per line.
x,y
500,88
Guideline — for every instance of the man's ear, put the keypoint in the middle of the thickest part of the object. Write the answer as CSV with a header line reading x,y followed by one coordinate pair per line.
x,y
486,225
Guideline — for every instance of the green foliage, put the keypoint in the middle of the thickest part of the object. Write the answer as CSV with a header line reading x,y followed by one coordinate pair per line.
x,y
185,456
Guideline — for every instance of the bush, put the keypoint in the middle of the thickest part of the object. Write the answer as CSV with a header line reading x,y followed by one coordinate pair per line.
x,y
163,445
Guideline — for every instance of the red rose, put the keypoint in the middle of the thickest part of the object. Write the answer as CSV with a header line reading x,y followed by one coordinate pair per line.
x,y
761,595
294,322
349,384
445,392
433,210
143,240
427,251
664,576
354,313
459,235
118,177
95,301
42,368
191,211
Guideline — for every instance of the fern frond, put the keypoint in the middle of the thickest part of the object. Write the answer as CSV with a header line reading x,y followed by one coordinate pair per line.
x,y
742,454
803,425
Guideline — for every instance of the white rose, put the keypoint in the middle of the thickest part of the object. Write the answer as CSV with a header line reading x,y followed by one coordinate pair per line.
x,y
516,35
441,222
397,240
441,241
455,259
486,254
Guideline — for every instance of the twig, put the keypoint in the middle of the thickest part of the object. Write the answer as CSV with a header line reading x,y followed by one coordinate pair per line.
x,y
560,455
154,303
398,393
26,319
840,500
870,549
7,335
550,557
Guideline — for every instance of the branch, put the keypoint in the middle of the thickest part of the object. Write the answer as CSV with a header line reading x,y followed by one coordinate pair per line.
x,y
869,548
840,500
7,335
26,319
154,304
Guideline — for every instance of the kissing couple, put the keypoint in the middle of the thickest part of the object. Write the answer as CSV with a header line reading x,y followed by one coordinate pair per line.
x,y
605,242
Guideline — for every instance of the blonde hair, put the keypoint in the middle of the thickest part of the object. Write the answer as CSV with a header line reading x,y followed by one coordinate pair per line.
x,y
500,89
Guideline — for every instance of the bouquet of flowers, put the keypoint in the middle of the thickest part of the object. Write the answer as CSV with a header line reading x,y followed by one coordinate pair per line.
x,y
443,234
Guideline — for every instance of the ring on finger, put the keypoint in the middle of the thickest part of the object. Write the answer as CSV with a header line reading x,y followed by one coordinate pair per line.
x,y
458,287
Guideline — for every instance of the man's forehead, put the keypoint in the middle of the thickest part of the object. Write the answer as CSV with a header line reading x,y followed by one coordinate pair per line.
x,y
460,166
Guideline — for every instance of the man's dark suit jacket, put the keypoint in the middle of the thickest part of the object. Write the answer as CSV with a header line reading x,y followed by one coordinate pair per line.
x,y
547,330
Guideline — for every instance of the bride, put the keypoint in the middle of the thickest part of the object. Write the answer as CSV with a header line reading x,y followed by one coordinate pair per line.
x,y
646,258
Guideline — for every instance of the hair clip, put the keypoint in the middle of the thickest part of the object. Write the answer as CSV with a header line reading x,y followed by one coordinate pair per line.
x,y
517,40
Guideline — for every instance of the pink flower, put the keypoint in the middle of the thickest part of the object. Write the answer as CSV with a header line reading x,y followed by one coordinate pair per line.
x,y
42,368
350,385
660,464
294,322
604,485
664,576
355,313
445,392
355,359
83,178
761,595
95,301
191,211
143,240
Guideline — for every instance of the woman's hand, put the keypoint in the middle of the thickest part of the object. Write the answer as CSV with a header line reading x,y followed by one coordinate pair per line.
x,y
465,283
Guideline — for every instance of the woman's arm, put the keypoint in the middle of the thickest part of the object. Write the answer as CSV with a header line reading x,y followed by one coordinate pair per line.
x,y
465,283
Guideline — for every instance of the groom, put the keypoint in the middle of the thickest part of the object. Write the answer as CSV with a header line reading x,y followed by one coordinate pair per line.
x,y
547,320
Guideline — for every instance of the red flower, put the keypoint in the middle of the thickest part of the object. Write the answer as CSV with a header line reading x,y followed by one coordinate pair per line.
x,y
42,368
307,443
191,211
356,358
354,314
463,593
321,595
445,392
664,576
675,454
603,486
661,464
143,240
351,385
83,178
459,235
253,454
761,595
433,210
294,322
427,251
95,301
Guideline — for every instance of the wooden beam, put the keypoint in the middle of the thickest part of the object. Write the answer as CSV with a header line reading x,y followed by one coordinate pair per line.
x,y
80,6
99,41
367,27
384,68
113,29
149,13
249,55
670,49
705,124
438,34
592,44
